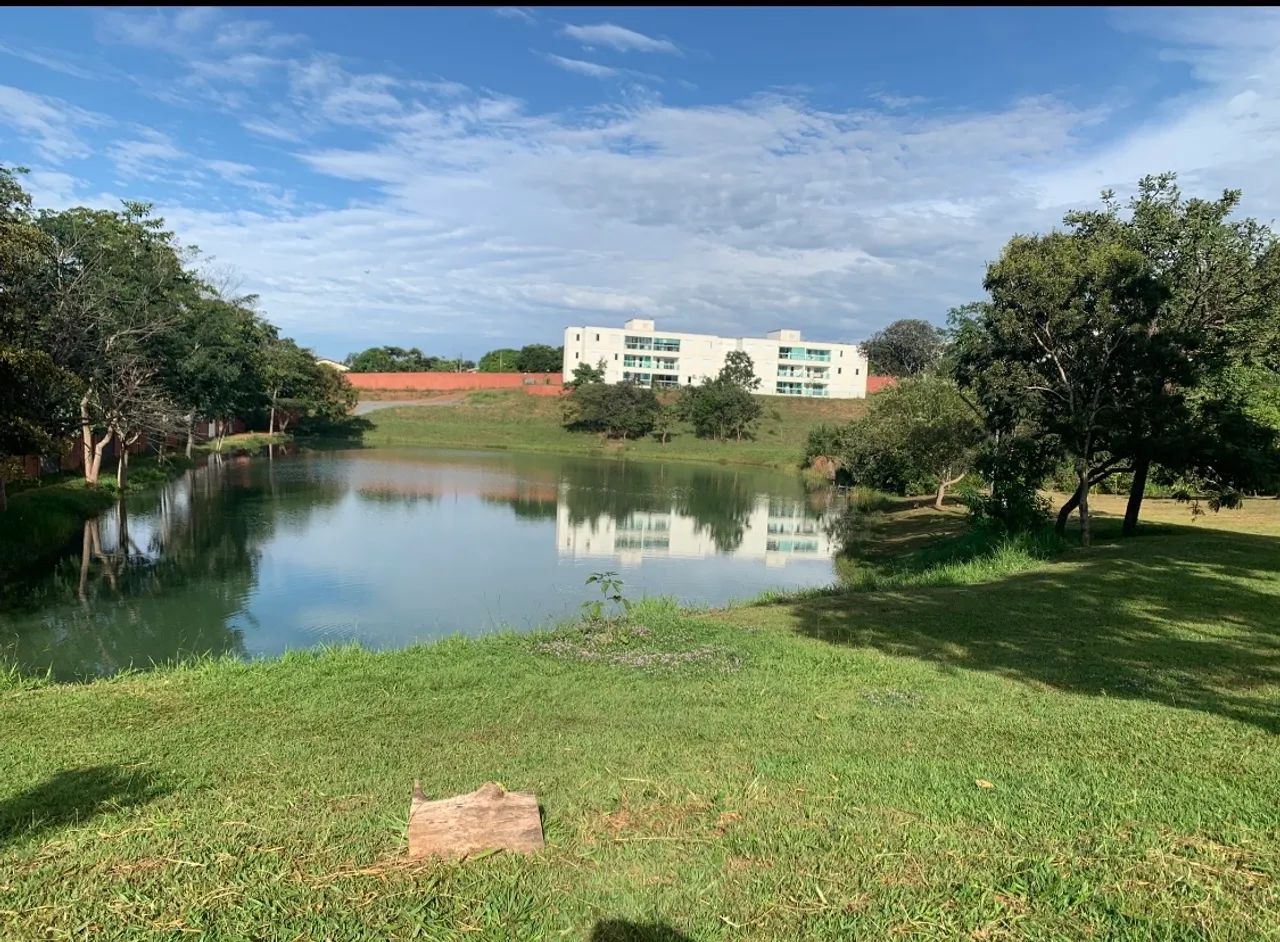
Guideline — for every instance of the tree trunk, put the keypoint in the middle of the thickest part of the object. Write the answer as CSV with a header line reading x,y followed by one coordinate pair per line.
x,y
191,433
122,465
93,465
943,483
4,497
86,440
1084,505
1141,467
271,420
1065,513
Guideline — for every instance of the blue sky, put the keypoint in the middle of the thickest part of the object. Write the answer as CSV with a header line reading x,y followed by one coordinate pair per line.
x,y
462,179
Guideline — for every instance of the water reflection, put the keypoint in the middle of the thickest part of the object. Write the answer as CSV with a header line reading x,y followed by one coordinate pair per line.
x,y
386,547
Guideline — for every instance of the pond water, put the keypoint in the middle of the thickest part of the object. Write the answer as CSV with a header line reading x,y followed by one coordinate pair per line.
x,y
386,547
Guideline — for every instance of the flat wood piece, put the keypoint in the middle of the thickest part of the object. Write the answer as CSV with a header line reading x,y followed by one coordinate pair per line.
x,y
487,819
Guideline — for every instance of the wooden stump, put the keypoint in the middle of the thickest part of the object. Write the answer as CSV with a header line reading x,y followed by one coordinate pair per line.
x,y
487,819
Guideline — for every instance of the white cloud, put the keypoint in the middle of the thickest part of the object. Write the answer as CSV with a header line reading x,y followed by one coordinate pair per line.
x,y
475,216
51,126
524,14
618,37
144,155
50,59
582,67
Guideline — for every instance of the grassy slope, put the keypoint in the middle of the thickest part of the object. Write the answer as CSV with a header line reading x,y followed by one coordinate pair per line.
x,y
517,421
799,770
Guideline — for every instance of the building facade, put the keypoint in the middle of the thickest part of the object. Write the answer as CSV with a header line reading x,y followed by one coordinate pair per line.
x,y
786,364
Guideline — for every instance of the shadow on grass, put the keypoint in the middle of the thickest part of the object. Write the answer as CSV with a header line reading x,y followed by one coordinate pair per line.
x,y
71,796
1180,616
620,930
346,432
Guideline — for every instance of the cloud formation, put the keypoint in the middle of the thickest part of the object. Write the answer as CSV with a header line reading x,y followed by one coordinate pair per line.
x,y
618,37
467,218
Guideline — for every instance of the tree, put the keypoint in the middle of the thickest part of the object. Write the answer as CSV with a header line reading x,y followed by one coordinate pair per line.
x,y
918,435
540,358
1061,326
738,370
37,406
617,411
400,360
584,374
664,425
499,361
723,406
907,347
1219,281
114,283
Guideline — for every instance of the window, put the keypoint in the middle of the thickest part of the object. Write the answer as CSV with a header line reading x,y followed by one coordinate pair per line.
x,y
597,338
615,356
842,354
575,356
857,371
665,381
577,336
789,389
839,369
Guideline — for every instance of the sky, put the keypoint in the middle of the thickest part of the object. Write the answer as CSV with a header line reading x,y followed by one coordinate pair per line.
x,y
464,179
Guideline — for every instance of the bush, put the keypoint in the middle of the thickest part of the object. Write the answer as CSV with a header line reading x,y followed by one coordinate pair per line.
x,y
623,411
720,409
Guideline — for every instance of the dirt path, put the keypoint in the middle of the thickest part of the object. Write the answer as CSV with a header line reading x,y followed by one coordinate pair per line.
x,y
373,405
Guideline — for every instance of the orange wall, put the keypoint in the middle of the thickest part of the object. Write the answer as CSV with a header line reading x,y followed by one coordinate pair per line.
x,y
439,382
877,383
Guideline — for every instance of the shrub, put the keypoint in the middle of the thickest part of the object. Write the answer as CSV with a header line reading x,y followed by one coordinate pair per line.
x,y
623,411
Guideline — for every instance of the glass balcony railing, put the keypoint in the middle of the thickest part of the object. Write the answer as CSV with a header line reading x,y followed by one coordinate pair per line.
x,y
804,354
660,344
649,363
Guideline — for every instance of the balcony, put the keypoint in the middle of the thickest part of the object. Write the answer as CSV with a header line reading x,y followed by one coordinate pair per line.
x,y
660,344
649,363
804,354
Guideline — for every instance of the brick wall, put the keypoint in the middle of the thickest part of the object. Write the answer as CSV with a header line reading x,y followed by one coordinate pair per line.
x,y
446,382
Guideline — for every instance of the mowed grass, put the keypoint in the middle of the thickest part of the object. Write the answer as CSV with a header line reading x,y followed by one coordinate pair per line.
x,y
514,420
1086,748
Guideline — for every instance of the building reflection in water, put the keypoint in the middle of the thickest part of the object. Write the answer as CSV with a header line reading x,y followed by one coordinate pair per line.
x,y
774,530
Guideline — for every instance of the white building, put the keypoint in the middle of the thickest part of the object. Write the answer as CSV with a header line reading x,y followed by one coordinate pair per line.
x,y
786,365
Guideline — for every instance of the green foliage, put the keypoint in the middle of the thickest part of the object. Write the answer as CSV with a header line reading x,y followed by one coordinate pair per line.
x,y
540,358
719,409
724,407
584,374
37,402
610,587
738,370
919,436
618,411
388,359
907,347
502,360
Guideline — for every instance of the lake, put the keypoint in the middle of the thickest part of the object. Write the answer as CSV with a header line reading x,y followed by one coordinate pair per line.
x,y
387,547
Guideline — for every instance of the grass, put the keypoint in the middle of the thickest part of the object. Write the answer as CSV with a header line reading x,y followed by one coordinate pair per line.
x,y
1081,748
515,421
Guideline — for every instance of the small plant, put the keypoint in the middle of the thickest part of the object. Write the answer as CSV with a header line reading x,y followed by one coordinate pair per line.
x,y
610,586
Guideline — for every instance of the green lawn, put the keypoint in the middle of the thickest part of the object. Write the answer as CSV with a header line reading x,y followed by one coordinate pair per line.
x,y
800,770
514,420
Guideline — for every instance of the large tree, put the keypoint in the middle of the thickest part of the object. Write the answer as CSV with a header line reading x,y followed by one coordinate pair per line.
x,y
724,406
617,411
502,360
540,358
1219,286
907,347
115,284
1061,330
